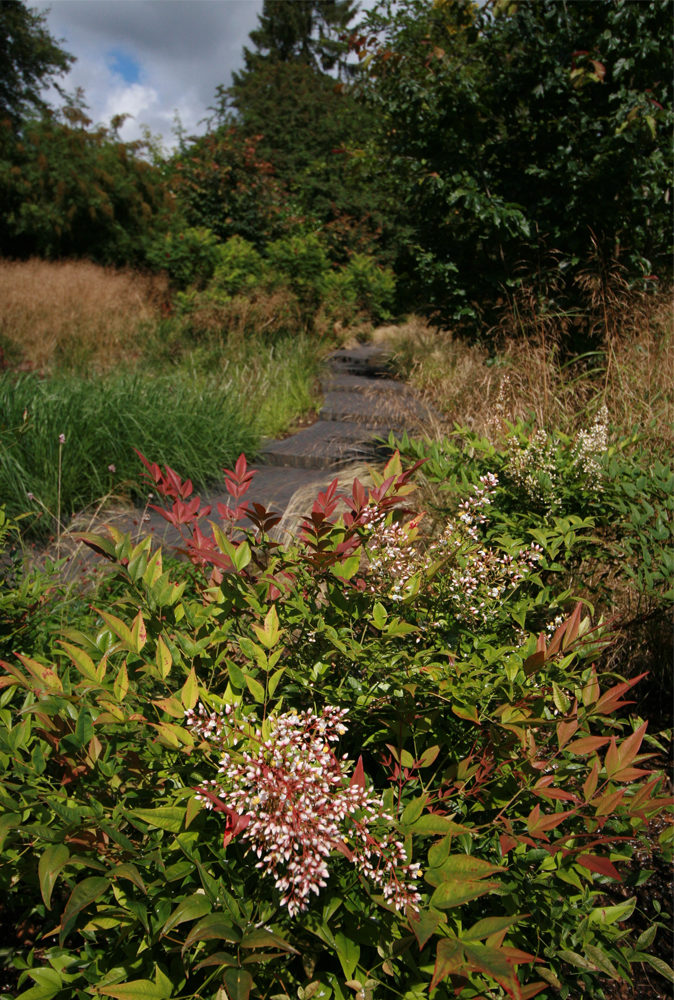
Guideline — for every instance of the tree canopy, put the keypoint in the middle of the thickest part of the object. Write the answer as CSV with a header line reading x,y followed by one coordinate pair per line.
x,y
29,59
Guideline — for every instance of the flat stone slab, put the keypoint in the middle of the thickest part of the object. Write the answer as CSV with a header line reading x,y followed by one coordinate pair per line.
x,y
374,407
343,381
369,359
327,444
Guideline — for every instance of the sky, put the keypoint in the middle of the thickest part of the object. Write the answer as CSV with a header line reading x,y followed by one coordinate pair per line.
x,y
150,58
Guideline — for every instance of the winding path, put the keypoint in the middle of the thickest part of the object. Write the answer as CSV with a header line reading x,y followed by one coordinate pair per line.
x,y
362,405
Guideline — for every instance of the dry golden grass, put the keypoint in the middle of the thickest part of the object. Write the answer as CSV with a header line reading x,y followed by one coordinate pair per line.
x,y
75,314
631,372
267,313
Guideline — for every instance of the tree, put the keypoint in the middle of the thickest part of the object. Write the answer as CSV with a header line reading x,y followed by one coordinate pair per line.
x,y
224,184
29,59
302,31
70,190
513,133
304,120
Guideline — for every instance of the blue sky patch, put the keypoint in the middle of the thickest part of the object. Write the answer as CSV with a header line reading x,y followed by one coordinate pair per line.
x,y
125,65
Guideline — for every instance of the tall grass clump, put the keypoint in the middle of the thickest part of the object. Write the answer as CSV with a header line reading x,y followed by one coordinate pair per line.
x,y
523,371
194,421
75,314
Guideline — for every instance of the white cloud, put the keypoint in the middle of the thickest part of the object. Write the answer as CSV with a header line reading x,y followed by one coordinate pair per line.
x,y
183,50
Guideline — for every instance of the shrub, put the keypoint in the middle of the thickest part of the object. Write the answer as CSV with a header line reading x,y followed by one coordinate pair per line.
x,y
240,267
503,768
189,256
301,262
374,286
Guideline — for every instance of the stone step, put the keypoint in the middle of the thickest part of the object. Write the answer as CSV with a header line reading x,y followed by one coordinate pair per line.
x,y
366,359
376,408
343,381
327,444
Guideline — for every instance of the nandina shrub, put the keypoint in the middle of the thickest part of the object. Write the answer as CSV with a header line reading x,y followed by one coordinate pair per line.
x,y
293,689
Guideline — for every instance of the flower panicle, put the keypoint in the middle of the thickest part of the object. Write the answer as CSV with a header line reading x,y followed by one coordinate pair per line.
x,y
300,807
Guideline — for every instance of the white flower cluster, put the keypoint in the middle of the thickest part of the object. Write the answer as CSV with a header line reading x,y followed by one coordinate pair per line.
x,y
296,807
474,581
534,469
589,445
534,472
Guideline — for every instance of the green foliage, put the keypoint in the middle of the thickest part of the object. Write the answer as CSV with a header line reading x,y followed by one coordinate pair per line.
x,y
306,32
373,286
29,57
603,512
223,184
72,191
189,256
520,137
103,419
302,263
293,280
508,770
240,267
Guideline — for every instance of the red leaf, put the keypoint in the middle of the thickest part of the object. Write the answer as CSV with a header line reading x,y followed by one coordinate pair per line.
x,y
340,846
537,824
601,865
590,783
507,843
608,802
565,730
358,776
611,699
629,747
587,744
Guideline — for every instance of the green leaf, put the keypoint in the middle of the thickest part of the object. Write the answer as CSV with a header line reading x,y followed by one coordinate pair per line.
x,y
601,960
379,615
261,938
423,924
189,692
449,894
431,825
241,556
84,893
348,953
488,926
255,689
130,872
53,859
236,674
612,914
191,908
347,568
448,958
137,989
168,818
573,958
238,983
214,926
163,658
84,728
121,684
268,634
81,659
413,809
660,966
272,683
7,823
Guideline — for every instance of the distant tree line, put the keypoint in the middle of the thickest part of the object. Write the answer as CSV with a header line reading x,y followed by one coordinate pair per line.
x,y
472,147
